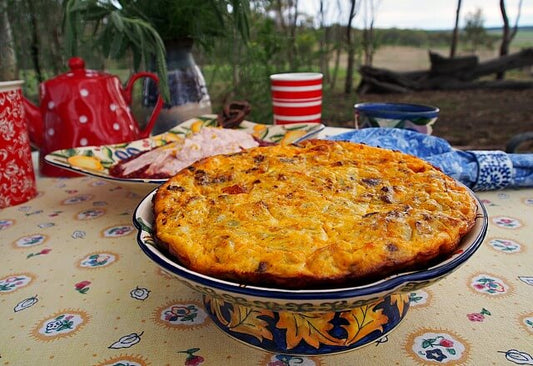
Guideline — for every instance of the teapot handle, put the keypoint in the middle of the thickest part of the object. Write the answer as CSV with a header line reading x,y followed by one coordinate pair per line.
x,y
158,105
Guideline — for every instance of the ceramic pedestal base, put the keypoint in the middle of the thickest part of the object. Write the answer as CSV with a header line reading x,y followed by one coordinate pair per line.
x,y
308,333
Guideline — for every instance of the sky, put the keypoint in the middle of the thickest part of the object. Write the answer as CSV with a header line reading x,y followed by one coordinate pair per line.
x,y
426,14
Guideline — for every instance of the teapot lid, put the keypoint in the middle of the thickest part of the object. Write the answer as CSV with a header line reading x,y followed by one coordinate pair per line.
x,y
79,72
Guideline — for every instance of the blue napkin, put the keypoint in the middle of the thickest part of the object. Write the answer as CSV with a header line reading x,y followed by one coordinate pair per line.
x,y
479,170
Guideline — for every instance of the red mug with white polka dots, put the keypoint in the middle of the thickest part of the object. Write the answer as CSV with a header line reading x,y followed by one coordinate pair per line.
x,y
84,108
17,179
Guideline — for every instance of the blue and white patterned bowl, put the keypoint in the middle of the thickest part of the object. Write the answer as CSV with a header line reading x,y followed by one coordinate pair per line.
x,y
306,322
415,117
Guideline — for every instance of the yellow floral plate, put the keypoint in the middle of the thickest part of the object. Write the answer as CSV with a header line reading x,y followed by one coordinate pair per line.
x,y
96,160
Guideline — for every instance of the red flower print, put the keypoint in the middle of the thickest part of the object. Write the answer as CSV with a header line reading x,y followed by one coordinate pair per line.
x,y
476,317
82,284
44,251
446,343
82,287
276,363
194,361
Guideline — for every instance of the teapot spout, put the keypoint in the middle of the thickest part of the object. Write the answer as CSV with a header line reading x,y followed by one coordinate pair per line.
x,y
34,122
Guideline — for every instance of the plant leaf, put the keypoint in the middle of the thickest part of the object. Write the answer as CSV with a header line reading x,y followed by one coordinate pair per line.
x,y
312,328
246,320
363,321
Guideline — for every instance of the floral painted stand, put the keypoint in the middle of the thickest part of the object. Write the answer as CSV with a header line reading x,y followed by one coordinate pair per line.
x,y
75,289
309,333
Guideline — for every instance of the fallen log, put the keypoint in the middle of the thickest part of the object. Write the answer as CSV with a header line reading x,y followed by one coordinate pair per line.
x,y
375,85
451,66
447,74
516,60
384,80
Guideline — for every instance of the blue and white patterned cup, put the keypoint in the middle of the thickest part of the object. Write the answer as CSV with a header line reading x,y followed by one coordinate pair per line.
x,y
416,117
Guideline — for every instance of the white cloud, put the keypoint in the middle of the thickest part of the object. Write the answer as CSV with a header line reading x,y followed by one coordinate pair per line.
x,y
424,14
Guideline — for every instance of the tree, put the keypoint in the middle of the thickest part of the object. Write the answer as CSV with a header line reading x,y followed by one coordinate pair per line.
x,y
337,36
475,32
455,34
36,39
508,33
322,45
370,8
35,42
287,19
338,42
350,45
8,63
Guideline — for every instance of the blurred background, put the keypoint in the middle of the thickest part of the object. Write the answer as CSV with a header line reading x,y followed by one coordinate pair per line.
x,y
237,44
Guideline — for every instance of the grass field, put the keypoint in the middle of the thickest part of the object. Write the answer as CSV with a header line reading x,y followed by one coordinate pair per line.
x,y
523,38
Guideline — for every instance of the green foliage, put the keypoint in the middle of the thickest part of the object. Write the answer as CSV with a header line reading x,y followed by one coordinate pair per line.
x,y
474,31
204,21
265,54
142,26
35,26
116,29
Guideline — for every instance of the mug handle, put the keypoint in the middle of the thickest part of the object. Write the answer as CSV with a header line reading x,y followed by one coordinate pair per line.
x,y
158,105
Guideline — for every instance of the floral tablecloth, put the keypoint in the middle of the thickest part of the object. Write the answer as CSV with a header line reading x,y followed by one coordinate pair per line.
x,y
75,289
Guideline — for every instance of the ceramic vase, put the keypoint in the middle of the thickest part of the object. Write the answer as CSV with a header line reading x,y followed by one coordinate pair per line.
x,y
189,97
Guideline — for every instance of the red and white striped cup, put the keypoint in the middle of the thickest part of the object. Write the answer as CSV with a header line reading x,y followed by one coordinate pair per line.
x,y
297,97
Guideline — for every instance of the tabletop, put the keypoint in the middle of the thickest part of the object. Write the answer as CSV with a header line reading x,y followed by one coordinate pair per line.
x,y
76,289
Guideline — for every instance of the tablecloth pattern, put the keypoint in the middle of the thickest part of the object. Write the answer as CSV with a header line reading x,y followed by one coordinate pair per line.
x,y
75,289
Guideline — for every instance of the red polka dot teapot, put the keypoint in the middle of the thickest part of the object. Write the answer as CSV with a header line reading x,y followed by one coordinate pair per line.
x,y
83,108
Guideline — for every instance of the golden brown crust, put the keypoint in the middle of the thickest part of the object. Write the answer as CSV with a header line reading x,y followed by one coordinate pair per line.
x,y
321,213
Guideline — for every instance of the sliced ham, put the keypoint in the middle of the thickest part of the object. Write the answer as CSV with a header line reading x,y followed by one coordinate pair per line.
x,y
169,159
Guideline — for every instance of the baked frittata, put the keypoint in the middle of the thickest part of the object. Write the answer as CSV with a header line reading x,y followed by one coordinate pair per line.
x,y
317,214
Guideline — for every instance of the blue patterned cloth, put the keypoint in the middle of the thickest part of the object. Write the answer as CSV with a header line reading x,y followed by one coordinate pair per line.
x,y
478,169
